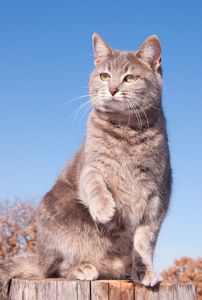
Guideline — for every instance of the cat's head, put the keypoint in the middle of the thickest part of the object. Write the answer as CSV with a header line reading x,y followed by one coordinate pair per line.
x,y
126,81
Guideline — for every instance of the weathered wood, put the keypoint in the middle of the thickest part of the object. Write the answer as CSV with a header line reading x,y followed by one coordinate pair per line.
x,y
99,290
62,289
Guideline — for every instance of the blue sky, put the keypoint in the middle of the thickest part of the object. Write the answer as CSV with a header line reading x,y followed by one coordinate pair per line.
x,y
46,57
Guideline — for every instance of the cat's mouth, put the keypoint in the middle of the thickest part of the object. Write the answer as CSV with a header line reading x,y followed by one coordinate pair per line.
x,y
117,102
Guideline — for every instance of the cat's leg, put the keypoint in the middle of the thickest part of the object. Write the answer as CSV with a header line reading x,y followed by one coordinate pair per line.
x,y
54,264
58,266
144,244
85,271
95,195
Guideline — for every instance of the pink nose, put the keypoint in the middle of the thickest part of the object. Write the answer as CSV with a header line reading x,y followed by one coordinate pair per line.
x,y
113,91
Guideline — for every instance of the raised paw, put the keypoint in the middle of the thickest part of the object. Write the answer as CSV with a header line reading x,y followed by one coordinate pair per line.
x,y
146,277
84,271
102,208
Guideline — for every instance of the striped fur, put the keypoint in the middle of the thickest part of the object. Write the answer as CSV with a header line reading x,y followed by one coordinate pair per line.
x,y
103,215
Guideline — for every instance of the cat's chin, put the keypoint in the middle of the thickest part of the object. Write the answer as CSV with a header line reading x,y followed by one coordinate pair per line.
x,y
114,105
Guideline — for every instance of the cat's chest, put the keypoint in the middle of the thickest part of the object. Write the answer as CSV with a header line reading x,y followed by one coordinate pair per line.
x,y
120,172
117,161
124,164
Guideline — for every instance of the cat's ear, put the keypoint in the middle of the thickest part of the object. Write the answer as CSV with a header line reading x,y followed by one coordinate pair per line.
x,y
101,49
151,52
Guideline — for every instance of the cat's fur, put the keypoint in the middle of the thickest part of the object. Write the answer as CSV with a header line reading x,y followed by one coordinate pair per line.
x,y
103,215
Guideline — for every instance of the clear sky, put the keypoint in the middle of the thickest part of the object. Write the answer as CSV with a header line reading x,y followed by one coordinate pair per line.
x,y
46,57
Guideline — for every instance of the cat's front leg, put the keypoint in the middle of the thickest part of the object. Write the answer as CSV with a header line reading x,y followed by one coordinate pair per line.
x,y
95,195
144,243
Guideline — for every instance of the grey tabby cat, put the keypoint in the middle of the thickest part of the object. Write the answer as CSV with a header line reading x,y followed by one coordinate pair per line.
x,y
103,215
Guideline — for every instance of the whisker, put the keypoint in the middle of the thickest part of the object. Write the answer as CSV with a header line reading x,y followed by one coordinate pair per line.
x,y
86,110
77,110
83,107
137,114
128,114
74,99
88,95
148,104
139,99
143,112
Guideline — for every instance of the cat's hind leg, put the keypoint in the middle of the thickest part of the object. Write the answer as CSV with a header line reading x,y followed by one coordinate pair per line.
x,y
84,271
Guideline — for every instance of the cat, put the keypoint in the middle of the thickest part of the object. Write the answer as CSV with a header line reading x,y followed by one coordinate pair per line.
x,y
103,215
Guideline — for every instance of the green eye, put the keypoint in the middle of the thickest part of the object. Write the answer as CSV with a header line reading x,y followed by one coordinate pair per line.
x,y
130,78
105,76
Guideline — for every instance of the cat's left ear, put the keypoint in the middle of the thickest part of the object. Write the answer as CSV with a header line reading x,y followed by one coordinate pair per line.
x,y
101,49
151,52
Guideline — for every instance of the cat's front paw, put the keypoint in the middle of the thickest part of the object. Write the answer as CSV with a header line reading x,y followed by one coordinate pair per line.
x,y
146,277
102,208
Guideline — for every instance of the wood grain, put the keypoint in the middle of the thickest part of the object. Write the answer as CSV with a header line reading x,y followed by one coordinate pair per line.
x,y
99,290
62,289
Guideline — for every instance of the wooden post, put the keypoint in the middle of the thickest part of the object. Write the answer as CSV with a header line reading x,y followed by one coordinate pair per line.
x,y
62,289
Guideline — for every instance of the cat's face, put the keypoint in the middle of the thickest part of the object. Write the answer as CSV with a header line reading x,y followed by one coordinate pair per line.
x,y
126,81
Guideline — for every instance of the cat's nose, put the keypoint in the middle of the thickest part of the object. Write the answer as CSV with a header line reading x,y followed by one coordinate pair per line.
x,y
113,91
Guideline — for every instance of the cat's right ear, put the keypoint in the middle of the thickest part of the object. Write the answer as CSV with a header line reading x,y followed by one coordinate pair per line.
x,y
101,49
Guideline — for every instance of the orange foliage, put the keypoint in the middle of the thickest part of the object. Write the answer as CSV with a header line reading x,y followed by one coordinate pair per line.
x,y
18,234
186,269
17,228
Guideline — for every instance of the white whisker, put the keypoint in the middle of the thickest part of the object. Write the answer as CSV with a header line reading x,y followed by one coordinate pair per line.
x,y
128,113
86,110
84,107
148,104
139,99
142,111
137,114
77,110
74,99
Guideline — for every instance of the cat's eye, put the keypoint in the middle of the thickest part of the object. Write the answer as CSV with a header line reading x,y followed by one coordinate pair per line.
x,y
130,78
105,77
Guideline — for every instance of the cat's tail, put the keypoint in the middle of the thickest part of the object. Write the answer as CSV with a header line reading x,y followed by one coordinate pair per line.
x,y
20,266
